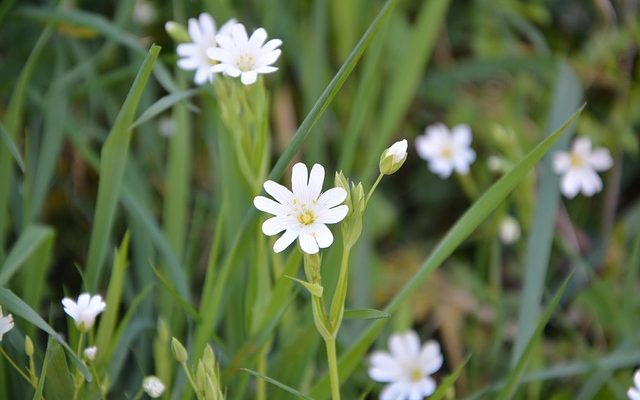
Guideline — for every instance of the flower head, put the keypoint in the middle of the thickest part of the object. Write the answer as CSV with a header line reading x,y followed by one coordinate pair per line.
x,y
85,311
509,230
446,150
634,391
90,353
578,168
393,157
153,386
303,212
6,323
194,55
244,56
406,368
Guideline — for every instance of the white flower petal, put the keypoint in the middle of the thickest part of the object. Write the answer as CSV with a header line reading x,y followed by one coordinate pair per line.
x,y
225,29
188,64
316,179
279,192
83,300
570,184
258,37
269,206
405,346
207,25
269,58
202,75
299,179
194,30
323,235
425,387
272,45
440,167
225,42
636,378
187,49
396,391
600,160
249,77
288,237
633,394
266,70
461,135
561,162
332,215
582,146
590,182
332,197
431,357
424,148
275,225
239,34
384,368
308,242
232,71
218,68
218,54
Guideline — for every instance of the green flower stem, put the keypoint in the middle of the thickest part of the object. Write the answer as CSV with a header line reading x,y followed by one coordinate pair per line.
x,y
373,188
261,384
330,344
468,185
78,384
103,395
15,366
340,295
190,378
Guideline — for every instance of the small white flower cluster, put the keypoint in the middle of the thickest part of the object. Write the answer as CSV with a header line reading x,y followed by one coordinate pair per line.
x,y
230,51
407,367
6,323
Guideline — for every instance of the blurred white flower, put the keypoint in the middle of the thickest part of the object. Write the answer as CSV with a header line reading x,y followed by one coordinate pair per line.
x,y
90,353
634,391
303,212
194,55
143,12
406,368
393,157
578,168
446,150
153,386
509,230
243,56
85,311
6,323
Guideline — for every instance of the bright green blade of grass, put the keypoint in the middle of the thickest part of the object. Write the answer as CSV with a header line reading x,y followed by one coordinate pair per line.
x,y
165,103
21,309
365,313
449,381
212,300
513,379
405,80
27,244
471,219
113,161
43,373
11,146
281,385
566,98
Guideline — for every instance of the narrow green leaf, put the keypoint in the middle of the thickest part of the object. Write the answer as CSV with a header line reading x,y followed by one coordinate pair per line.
x,y
45,367
27,244
448,382
471,219
365,313
566,98
113,161
58,384
18,307
278,384
515,374
11,146
163,104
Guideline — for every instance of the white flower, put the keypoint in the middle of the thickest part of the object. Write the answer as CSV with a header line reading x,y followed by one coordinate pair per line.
x,y
509,230
153,386
6,323
90,353
194,55
243,56
143,12
166,127
578,168
446,151
634,391
406,368
393,157
303,213
85,311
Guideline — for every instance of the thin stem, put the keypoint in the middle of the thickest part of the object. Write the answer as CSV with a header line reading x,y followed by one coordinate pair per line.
x,y
339,298
373,188
78,384
334,377
261,385
15,366
138,395
190,378
98,383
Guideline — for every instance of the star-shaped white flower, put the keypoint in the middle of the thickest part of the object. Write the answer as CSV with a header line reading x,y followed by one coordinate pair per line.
x,y
303,212
6,323
578,168
634,391
243,56
194,55
153,386
446,150
85,311
406,368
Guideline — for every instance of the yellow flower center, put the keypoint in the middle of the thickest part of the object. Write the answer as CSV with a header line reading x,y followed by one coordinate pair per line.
x,y
306,217
245,62
576,161
416,375
446,153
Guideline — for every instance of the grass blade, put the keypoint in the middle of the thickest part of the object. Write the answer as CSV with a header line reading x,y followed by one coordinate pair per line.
x,y
11,146
448,382
27,244
112,167
471,219
365,313
278,384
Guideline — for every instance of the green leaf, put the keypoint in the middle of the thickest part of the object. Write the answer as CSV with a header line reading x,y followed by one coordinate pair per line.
x,y
515,374
448,382
27,244
278,384
365,313
164,103
471,219
18,307
45,367
59,383
113,161
11,146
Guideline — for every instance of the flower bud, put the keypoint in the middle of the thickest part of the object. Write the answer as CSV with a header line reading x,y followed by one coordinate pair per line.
x,y
153,386
179,352
209,359
509,230
90,353
392,158
177,32
28,346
